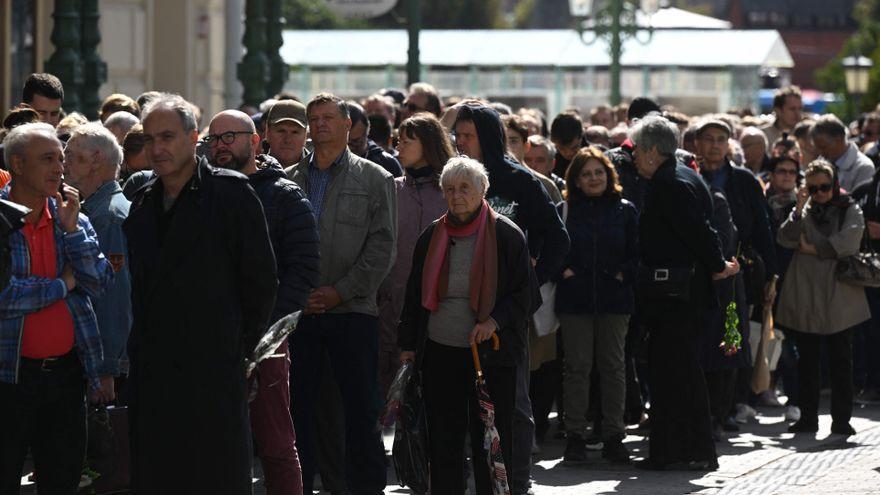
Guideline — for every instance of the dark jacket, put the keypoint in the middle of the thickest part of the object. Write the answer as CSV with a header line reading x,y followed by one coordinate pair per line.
x,y
386,160
603,235
867,196
633,184
675,230
750,215
512,302
294,235
203,287
515,193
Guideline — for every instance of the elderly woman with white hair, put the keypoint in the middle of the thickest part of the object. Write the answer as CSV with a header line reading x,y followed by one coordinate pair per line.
x,y
470,278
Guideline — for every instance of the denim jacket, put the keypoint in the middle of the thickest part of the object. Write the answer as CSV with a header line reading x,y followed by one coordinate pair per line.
x,y
107,208
27,294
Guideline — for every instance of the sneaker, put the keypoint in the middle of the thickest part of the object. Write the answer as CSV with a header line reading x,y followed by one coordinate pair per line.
x,y
594,442
768,398
792,413
575,450
615,451
802,426
842,429
868,398
744,413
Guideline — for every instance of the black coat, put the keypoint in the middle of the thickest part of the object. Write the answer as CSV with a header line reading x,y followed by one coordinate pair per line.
x,y
386,160
294,235
515,291
203,287
675,230
603,234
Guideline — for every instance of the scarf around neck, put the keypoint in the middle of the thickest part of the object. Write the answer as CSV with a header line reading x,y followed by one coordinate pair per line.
x,y
483,277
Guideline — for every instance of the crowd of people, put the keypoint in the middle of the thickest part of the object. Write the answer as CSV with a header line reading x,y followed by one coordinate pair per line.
x,y
595,262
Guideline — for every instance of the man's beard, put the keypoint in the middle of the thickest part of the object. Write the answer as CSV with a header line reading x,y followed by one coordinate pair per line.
x,y
237,163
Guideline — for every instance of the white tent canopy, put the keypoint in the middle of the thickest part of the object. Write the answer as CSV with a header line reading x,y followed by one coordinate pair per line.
x,y
538,48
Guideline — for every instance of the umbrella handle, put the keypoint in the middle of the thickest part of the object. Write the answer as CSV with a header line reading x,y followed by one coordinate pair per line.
x,y
496,343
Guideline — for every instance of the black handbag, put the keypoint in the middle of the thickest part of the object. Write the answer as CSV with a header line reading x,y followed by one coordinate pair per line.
x,y
862,269
754,275
665,283
410,450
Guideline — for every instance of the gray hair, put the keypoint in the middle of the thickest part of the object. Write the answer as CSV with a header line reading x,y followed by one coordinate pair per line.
x,y
20,136
754,132
121,120
462,167
175,103
655,130
95,137
537,140
828,125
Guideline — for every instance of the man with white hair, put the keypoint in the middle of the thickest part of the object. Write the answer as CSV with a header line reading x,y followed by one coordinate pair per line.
x,y
50,348
91,164
754,145
119,123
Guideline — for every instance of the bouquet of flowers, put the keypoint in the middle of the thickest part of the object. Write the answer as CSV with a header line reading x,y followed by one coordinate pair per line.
x,y
732,341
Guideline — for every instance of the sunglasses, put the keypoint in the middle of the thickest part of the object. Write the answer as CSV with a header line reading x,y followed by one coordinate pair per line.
x,y
820,188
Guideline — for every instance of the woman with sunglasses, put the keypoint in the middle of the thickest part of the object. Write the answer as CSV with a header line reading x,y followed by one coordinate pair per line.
x,y
824,227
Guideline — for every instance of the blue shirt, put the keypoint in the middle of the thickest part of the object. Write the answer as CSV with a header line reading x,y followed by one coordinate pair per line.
x,y
319,181
107,208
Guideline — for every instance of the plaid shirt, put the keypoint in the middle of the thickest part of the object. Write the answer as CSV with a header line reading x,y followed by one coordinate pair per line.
x,y
28,294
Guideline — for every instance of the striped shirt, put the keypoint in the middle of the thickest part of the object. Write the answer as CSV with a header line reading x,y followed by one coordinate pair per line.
x,y
319,181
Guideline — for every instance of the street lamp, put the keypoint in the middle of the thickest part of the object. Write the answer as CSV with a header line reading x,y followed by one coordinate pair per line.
x,y
857,69
614,20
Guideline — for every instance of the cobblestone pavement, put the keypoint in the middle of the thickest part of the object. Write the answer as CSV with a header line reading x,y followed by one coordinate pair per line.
x,y
761,459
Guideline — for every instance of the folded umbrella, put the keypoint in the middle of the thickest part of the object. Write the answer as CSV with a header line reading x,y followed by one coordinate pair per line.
x,y
491,439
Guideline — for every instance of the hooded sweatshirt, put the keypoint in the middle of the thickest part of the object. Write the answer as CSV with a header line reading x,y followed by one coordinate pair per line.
x,y
518,195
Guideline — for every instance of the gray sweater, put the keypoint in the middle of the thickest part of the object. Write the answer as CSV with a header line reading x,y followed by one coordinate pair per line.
x,y
454,319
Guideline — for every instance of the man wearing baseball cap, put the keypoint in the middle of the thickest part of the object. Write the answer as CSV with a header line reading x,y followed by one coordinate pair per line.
x,y
286,132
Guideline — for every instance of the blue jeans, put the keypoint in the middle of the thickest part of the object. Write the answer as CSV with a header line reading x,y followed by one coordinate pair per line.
x,y
351,341
46,412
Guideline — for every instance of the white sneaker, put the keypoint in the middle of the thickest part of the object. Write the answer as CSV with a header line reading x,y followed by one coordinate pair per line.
x,y
792,413
744,413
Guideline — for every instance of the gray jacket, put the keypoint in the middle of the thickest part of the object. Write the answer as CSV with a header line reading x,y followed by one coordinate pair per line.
x,y
358,229
812,299
854,168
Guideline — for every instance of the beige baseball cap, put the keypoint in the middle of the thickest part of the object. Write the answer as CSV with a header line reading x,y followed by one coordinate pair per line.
x,y
287,111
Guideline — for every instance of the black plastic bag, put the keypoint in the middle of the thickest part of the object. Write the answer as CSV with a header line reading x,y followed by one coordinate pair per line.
x,y
410,450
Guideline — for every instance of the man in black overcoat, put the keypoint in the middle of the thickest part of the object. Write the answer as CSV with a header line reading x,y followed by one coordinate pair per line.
x,y
203,287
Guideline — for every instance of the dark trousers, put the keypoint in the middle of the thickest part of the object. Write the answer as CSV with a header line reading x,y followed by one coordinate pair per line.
x,y
866,346
351,341
787,369
452,411
720,385
839,347
544,388
681,427
46,412
273,428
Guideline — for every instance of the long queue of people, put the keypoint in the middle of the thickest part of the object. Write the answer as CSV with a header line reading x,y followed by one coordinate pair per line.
x,y
409,229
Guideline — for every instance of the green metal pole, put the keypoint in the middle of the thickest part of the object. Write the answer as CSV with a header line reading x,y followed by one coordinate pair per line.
x,y
95,69
278,70
253,70
65,63
414,25
616,48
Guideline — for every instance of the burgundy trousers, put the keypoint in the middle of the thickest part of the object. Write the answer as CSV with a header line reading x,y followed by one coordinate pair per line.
x,y
273,427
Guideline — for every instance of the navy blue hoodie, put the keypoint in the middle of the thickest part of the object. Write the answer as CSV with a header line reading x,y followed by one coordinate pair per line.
x,y
515,193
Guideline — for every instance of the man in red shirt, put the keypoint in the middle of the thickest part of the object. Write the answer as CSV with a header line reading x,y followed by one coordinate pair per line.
x,y
49,341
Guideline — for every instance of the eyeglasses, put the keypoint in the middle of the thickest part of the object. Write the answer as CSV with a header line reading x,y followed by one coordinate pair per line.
x,y
225,138
821,187
785,171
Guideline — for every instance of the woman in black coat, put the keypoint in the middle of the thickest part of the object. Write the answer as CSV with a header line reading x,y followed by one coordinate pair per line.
x,y
594,298
680,255
471,277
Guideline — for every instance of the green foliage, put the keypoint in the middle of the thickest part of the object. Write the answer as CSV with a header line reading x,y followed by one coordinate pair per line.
x,y
436,14
866,41
312,14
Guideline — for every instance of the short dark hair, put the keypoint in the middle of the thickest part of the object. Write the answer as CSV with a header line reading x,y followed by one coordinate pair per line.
x,y
516,124
19,116
380,128
641,106
147,97
829,125
566,127
119,102
802,129
321,98
287,95
43,84
782,93
580,160
356,113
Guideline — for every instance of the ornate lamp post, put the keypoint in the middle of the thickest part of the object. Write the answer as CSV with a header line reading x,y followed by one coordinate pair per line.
x,y
278,70
95,69
857,69
66,63
414,24
254,68
614,21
